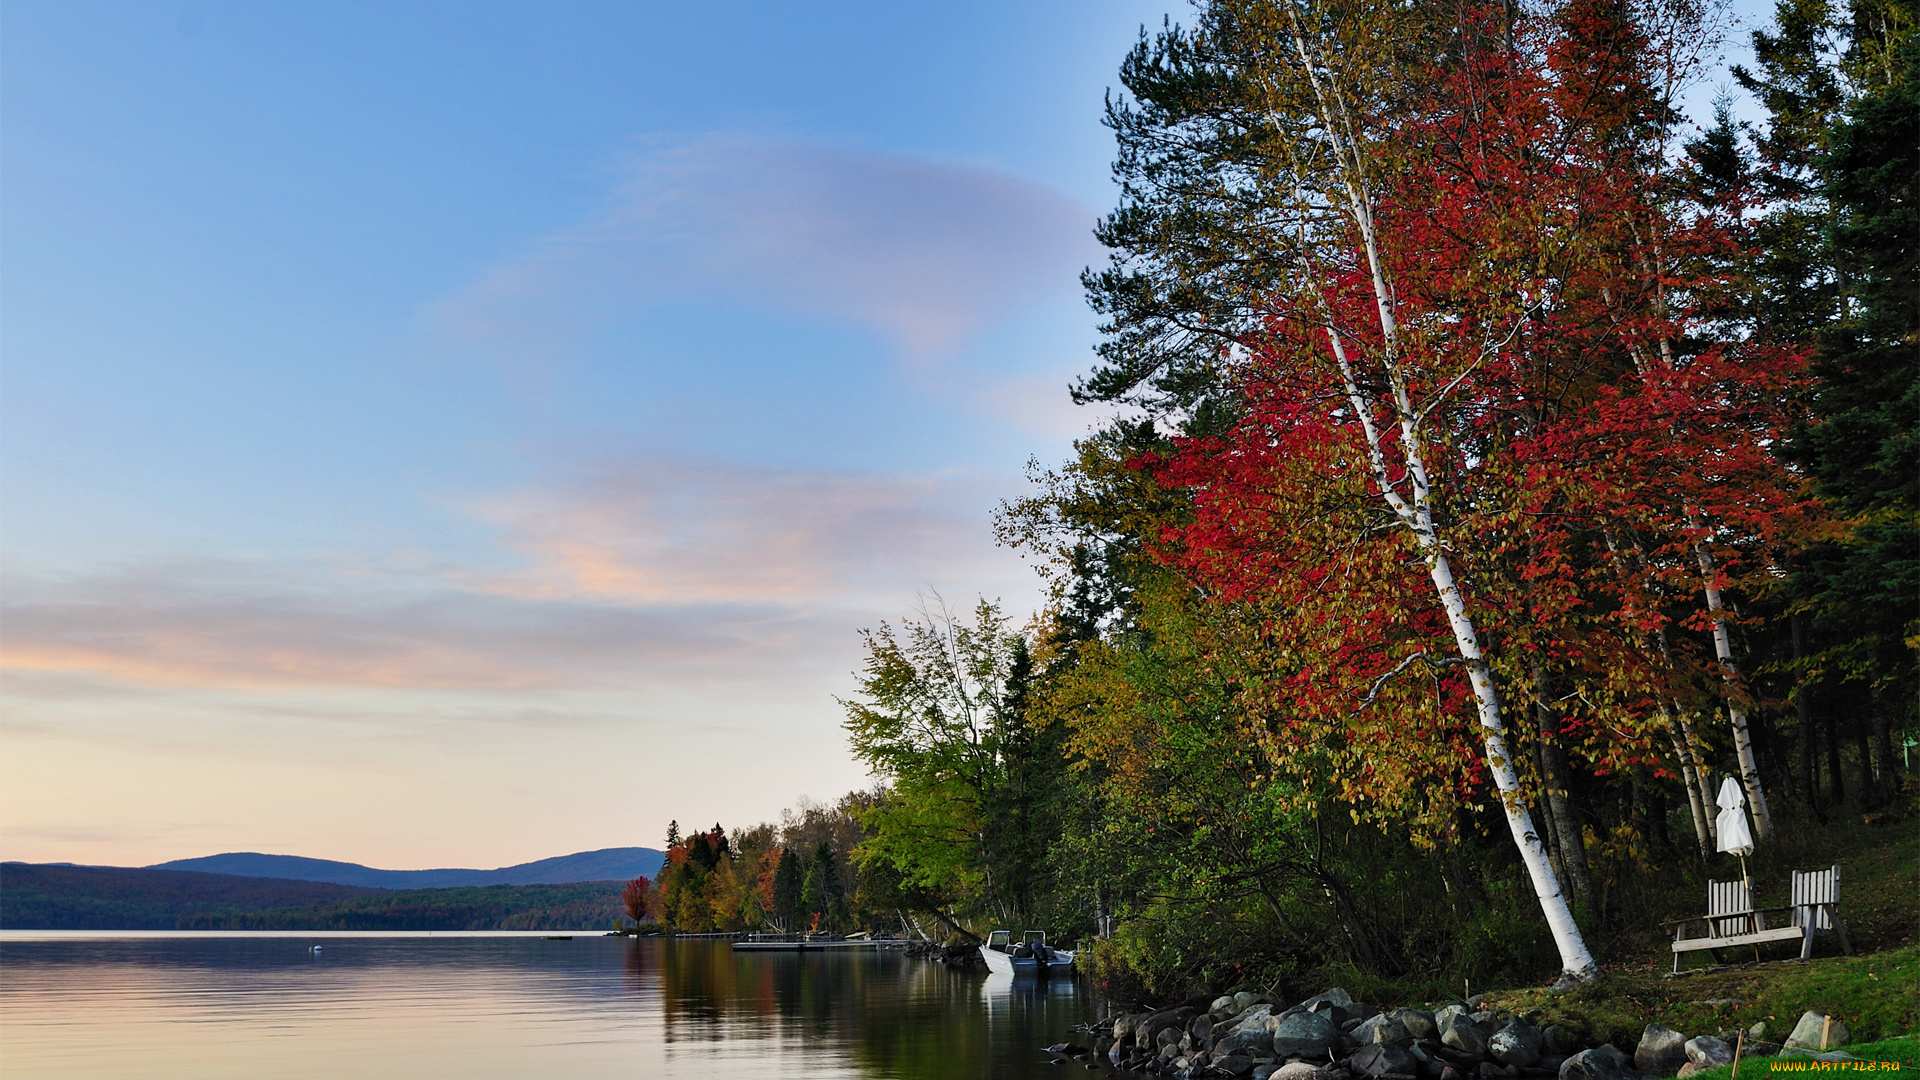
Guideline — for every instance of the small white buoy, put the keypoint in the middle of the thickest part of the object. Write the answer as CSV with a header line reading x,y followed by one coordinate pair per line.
x,y
315,948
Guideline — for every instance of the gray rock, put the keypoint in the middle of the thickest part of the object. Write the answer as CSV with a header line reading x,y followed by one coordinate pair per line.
x,y
1549,1063
1758,1030
1559,1041
1418,1022
1806,1033
1625,1059
1222,1007
1482,1016
1169,1036
1245,1000
1453,1009
1244,1041
1299,1070
1516,1044
1707,1051
1200,1027
1261,1072
1234,1064
1378,1059
1462,1034
1381,1029
1335,996
1123,1026
1307,1034
1593,1065
1146,1033
1661,1051
1255,1017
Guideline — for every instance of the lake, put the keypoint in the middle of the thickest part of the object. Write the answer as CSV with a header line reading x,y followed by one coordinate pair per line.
x,y
479,1006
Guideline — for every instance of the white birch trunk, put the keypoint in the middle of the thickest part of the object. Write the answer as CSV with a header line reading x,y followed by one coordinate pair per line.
x,y
1742,738
1414,509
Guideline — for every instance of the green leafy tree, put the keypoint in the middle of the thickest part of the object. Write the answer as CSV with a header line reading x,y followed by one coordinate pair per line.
x,y
942,718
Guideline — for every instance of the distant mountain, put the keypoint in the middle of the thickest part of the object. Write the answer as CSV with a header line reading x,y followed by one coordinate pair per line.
x,y
55,897
60,896
607,864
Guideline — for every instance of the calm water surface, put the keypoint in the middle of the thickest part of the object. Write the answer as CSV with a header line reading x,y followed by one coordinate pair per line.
x,y
220,1006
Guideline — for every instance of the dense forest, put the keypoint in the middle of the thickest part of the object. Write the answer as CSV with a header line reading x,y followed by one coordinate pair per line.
x,y
1501,460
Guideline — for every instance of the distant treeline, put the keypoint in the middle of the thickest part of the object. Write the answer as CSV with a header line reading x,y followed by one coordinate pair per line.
x,y
40,897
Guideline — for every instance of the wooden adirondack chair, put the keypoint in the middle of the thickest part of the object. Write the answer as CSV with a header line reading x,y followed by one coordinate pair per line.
x,y
1731,919
1816,907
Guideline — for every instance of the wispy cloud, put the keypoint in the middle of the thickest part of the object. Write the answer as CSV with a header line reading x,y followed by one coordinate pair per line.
x,y
664,532
925,255
653,573
281,625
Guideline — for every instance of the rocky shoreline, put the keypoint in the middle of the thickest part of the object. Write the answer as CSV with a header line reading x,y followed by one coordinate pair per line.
x,y
1330,1036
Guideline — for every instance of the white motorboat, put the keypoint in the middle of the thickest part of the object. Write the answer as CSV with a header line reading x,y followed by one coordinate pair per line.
x,y
1031,956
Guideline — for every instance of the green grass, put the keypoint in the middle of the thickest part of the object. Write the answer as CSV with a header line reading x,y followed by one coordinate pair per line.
x,y
1877,996
1904,1053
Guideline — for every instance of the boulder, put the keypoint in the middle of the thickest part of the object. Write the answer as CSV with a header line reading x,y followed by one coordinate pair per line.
x,y
1381,1029
1806,1033
1491,1071
1244,1041
1485,1016
1222,1007
1200,1027
1245,1000
1625,1059
1758,1030
1381,1058
1451,1009
1299,1070
1549,1063
1262,1072
1559,1040
1462,1034
1256,1014
1169,1036
1234,1064
1516,1044
1123,1027
1146,1033
1307,1034
1661,1051
1593,1065
1418,1022
1707,1051
1335,996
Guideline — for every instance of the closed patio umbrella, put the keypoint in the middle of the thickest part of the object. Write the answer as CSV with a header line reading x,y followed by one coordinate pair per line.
x,y
1731,825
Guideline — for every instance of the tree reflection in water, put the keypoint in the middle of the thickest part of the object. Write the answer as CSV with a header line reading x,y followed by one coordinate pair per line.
x,y
876,1013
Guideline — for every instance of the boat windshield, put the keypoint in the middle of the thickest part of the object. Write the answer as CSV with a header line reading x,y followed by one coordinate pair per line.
x,y
998,939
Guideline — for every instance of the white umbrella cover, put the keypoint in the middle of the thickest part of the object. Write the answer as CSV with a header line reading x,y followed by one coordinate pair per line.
x,y
1731,823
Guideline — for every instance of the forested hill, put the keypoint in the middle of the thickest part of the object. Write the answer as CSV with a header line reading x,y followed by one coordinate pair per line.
x,y
52,897
606,864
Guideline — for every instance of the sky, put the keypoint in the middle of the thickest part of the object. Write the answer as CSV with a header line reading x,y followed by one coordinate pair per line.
x,y
457,434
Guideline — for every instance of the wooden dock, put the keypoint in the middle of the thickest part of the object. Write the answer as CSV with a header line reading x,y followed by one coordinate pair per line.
x,y
797,943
